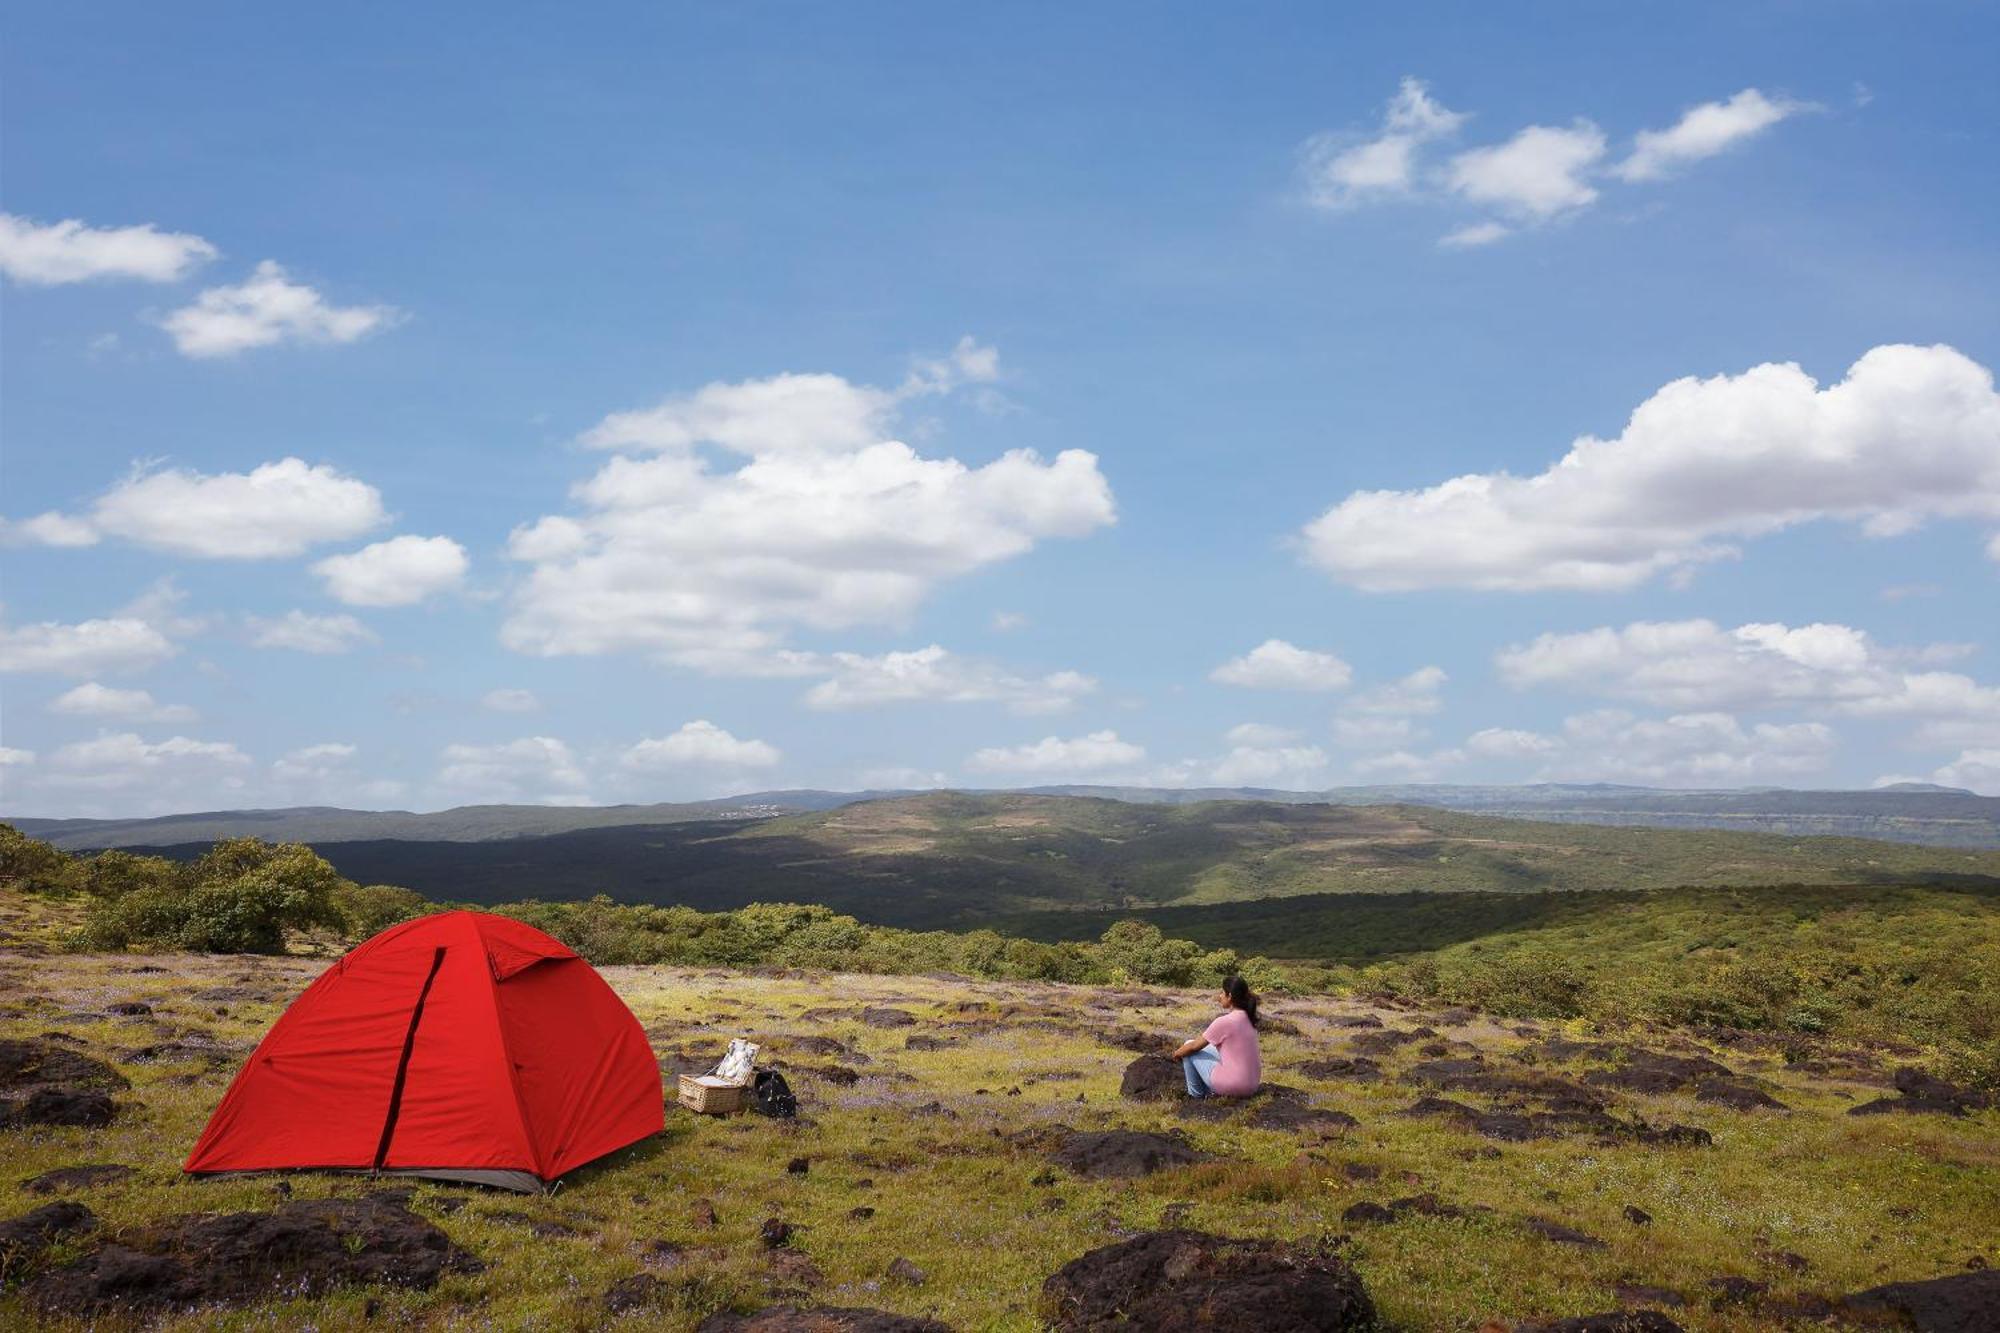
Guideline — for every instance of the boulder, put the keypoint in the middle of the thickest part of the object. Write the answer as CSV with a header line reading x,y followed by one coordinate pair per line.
x,y
1924,1094
827,1319
302,1247
1153,1078
1959,1303
1616,1321
1189,1280
23,1238
1123,1153
65,1178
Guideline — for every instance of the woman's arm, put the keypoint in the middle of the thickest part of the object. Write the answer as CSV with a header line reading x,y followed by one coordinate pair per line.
x,y
1189,1047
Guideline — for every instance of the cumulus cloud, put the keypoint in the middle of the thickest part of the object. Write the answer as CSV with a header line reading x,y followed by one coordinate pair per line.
x,y
47,255
1412,695
275,509
399,572
824,522
1261,760
535,769
937,675
1098,753
173,771
511,701
1702,132
1277,665
1510,743
269,308
303,632
1978,770
326,773
1408,766
1911,434
110,646
1341,170
1703,748
1535,175
91,699
1542,171
1374,732
700,744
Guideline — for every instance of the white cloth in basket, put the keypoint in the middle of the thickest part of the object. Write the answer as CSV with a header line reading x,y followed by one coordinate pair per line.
x,y
739,1064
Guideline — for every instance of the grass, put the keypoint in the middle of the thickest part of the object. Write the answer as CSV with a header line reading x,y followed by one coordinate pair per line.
x,y
1864,1200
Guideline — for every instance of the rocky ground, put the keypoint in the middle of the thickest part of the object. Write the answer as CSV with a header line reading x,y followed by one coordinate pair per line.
x,y
1010,1156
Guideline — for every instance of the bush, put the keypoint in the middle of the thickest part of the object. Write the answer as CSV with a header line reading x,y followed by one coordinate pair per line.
x,y
367,910
241,898
33,866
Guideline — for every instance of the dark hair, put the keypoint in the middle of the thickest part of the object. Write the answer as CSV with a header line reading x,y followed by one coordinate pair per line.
x,y
1239,993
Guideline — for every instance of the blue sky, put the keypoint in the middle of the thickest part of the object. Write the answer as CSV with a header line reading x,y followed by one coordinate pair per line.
x,y
656,387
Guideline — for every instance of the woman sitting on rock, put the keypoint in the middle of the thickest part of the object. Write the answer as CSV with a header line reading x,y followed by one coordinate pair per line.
x,y
1223,1061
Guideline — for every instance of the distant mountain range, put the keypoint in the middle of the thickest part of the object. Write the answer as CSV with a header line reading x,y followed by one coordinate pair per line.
x,y
1905,812
957,860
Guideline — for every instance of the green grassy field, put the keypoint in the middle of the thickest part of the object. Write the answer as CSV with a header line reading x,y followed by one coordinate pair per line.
x,y
921,1139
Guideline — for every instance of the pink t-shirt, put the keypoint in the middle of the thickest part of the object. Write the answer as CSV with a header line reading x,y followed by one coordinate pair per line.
x,y
1241,1069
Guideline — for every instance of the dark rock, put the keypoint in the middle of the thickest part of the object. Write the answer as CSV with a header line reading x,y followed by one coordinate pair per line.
x,y
81,1107
1638,1216
299,1248
1298,1118
798,1166
1361,1070
1367,1212
129,1008
25,1237
1386,1042
704,1214
1796,1263
1924,1094
1189,1280
1123,1153
861,1214
815,1046
922,1043
1633,1293
1559,1234
1959,1303
1153,1078
641,1291
1357,1021
888,1018
776,1232
1735,1290
29,1064
1438,1106
65,1178
1615,1321
1736,1096
1654,1073
825,1319
902,1270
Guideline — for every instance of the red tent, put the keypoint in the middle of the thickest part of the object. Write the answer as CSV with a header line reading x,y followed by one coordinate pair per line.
x,y
463,1046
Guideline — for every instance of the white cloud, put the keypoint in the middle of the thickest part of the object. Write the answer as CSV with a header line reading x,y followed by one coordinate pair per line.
x,y
50,529
1411,695
91,699
1374,732
1406,766
1703,132
269,308
122,762
1509,743
901,779
1254,764
325,773
64,252
935,674
11,757
1540,172
511,701
90,648
1097,753
538,770
1341,170
1277,665
1977,769
399,572
700,744
1476,234
303,632
1261,734
1704,748
276,509
1912,433
315,761
826,523
1006,622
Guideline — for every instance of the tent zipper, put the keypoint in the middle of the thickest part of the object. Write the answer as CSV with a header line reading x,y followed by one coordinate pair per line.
x,y
403,1063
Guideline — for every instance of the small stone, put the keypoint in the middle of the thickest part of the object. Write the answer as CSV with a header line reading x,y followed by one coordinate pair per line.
x,y
902,1270
775,1233
1638,1216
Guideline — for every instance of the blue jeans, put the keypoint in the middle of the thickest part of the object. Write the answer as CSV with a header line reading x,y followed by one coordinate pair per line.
x,y
1197,1067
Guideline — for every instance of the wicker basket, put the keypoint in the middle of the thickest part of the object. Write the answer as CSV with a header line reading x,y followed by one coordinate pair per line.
x,y
708,1098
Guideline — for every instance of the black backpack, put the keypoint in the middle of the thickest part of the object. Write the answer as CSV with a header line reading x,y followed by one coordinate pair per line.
x,y
771,1095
